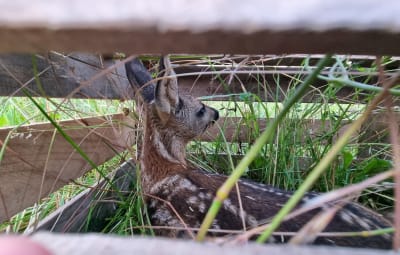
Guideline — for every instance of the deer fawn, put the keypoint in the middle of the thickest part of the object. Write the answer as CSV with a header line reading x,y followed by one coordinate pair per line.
x,y
178,195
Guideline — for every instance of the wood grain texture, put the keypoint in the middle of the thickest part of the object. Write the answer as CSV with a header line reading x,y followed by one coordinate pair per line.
x,y
76,75
98,244
239,130
35,164
84,75
179,26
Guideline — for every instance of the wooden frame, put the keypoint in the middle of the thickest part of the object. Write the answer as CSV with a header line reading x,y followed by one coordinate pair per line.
x,y
38,160
178,26
209,26
104,244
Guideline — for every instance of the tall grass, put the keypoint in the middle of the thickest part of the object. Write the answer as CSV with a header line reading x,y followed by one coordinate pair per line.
x,y
301,139
18,111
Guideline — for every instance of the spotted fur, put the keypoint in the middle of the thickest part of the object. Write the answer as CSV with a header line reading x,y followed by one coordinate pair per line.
x,y
178,195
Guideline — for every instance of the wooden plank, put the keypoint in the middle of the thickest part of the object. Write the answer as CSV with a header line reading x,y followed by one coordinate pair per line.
x,y
76,75
101,204
256,27
98,244
35,164
264,87
237,130
282,60
79,75
271,77
374,135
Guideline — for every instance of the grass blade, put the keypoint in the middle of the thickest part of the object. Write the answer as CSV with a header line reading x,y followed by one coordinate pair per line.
x,y
322,165
265,137
70,141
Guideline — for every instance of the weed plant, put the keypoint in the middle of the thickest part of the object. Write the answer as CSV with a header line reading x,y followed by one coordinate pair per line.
x,y
301,139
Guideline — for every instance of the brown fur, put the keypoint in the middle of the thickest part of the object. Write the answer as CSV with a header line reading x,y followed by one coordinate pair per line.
x,y
179,194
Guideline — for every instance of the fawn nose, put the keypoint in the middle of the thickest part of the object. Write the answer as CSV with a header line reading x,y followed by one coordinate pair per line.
x,y
216,115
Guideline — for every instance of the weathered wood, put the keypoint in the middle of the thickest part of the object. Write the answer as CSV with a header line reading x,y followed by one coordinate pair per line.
x,y
77,75
80,75
270,78
239,130
374,135
35,163
98,244
100,201
265,89
209,26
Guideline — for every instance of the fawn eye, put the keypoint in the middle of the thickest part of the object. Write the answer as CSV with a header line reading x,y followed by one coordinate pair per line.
x,y
201,112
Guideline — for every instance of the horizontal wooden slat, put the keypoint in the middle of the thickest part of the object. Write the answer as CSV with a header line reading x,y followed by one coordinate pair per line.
x,y
209,26
79,75
237,130
73,76
98,244
282,60
265,88
374,135
35,163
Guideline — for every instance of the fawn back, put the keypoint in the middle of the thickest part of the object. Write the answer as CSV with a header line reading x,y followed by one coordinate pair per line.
x,y
178,195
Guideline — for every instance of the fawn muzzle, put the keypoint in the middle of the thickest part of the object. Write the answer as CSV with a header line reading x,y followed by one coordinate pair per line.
x,y
216,115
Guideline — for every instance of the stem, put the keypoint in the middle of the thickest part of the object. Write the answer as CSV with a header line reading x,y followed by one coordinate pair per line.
x,y
358,85
73,144
265,137
322,165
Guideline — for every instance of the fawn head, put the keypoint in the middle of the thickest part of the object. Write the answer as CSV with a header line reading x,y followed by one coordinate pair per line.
x,y
169,111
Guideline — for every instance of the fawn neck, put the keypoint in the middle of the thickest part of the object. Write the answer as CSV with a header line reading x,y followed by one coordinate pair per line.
x,y
163,151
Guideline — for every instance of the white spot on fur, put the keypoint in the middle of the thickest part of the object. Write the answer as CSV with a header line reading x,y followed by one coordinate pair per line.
x,y
366,224
252,221
186,184
193,200
197,201
330,240
351,218
161,185
231,207
262,187
251,198
174,222
202,196
215,225
162,215
153,203
346,217
202,207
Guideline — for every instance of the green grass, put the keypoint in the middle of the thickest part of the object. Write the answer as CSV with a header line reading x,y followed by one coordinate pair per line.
x,y
18,111
296,147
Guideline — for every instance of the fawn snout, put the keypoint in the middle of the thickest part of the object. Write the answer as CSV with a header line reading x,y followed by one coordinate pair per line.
x,y
216,115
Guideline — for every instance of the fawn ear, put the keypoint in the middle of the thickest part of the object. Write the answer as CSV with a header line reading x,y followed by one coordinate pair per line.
x,y
166,94
140,79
